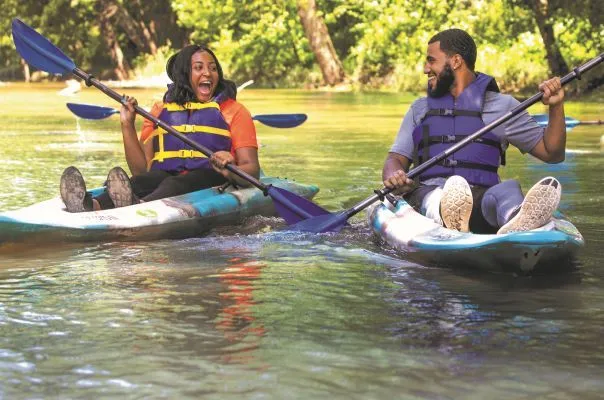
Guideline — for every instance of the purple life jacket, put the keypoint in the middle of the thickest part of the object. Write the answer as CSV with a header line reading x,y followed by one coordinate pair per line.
x,y
200,122
450,120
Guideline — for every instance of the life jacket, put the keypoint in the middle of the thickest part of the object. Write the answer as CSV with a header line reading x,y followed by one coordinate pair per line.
x,y
200,122
450,120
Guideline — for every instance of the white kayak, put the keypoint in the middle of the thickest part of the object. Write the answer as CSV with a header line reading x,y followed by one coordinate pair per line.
x,y
182,216
541,250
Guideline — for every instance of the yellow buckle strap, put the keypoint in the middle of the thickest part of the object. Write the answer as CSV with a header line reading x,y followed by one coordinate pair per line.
x,y
185,128
161,155
191,106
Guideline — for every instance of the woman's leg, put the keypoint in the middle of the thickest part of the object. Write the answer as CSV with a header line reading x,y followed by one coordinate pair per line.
x,y
142,185
185,183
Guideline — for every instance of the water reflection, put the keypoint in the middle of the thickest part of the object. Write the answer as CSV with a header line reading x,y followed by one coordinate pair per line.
x,y
251,311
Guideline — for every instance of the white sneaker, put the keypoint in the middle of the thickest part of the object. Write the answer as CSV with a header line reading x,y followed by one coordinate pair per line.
x,y
456,204
537,208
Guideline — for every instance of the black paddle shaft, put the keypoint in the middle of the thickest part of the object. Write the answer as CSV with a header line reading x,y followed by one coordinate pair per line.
x,y
92,81
380,194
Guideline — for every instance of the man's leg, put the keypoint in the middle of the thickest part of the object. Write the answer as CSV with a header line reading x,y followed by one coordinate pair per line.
x,y
501,202
456,204
425,199
537,207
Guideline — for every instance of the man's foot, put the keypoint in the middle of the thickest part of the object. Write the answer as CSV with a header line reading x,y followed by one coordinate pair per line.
x,y
456,204
537,208
120,188
73,191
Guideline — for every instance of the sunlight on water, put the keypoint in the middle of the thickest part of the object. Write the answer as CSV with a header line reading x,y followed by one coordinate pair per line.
x,y
254,311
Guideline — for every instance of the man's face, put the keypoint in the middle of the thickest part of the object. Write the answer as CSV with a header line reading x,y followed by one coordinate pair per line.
x,y
439,71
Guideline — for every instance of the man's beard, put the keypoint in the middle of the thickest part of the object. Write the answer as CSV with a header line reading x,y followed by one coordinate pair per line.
x,y
444,81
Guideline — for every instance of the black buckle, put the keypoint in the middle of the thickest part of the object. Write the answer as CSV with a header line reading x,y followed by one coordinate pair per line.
x,y
223,187
446,111
449,163
88,80
447,139
380,194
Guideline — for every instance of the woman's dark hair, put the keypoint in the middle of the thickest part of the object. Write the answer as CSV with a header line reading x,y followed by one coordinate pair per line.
x,y
457,41
178,68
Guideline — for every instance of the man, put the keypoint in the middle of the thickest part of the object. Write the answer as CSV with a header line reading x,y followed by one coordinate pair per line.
x,y
464,191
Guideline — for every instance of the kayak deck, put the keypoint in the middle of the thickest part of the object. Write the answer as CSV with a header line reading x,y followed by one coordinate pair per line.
x,y
420,238
188,215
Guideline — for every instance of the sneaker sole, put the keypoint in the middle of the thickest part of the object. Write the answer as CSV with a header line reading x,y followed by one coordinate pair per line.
x,y
73,190
537,208
119,188
456,204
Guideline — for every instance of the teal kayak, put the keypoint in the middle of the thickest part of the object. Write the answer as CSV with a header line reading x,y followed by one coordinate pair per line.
x,y
176,217
412,235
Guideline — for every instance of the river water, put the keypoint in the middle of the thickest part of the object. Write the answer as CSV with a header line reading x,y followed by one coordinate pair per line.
x,y
253,312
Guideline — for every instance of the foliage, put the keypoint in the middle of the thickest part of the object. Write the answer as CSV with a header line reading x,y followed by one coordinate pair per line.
x,y
380,42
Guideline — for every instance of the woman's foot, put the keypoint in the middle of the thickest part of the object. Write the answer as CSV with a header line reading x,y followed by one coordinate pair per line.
x,y
537,208
120,188
456,204
73,191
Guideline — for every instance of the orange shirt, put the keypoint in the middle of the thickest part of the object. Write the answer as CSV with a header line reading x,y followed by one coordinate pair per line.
x,y
239,119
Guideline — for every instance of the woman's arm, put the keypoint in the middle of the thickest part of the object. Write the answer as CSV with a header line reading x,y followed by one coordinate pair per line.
x,y
135,155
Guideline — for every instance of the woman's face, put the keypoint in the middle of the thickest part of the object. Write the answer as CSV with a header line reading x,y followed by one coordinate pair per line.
x,y
204,75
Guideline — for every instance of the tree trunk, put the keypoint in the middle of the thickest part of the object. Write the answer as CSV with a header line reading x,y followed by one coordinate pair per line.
x,y
138,33
320,42
541,10
121,68
26,74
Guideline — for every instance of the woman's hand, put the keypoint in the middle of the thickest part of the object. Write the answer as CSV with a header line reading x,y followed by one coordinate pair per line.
x,y
127,113
219,160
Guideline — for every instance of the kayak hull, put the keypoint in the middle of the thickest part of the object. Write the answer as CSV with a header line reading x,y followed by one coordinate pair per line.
x,y
188,215
551,247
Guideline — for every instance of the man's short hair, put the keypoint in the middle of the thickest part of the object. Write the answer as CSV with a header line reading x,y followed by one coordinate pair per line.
x,y
457,41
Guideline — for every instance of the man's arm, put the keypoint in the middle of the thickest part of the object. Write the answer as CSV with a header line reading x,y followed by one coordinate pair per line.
x,y
399,158
394,173
552,147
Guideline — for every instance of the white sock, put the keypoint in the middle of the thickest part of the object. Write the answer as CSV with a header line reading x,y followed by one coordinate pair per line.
x,y
431,205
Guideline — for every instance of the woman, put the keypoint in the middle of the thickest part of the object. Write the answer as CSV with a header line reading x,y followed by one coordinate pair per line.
x,y
201,104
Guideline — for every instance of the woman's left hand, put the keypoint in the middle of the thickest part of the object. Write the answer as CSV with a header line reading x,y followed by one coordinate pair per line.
x,y
220,159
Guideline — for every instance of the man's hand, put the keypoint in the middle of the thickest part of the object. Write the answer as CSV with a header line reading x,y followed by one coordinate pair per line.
x,y
553,93
399,182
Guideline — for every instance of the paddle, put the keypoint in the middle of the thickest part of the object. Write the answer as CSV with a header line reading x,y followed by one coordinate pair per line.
x,y
543,119
42,54
335,222
89,111
244,85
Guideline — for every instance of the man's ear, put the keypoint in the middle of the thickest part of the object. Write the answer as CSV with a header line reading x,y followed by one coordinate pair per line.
x,y
457,61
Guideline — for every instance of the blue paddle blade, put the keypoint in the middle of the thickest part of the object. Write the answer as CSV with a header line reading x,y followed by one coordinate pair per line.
x,y
38,51
88,111
281,120
322,223
293,208
543,119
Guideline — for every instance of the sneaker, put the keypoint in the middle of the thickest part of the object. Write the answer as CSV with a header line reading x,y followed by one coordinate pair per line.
x,y
73,191
456,204
120,188
537,208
